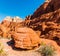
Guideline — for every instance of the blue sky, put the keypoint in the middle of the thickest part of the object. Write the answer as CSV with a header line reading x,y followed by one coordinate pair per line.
x,y
20,8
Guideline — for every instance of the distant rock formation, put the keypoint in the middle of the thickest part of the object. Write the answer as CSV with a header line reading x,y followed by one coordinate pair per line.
x,y
8,25
8,18
17,19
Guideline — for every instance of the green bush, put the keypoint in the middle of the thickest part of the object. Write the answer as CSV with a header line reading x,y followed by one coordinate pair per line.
x,y
2,52
46,50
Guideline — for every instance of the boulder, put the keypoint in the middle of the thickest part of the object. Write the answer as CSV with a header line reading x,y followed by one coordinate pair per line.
x,y
25,38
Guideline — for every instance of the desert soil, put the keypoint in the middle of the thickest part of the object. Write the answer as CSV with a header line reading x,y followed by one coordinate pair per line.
x,y
18,52
14,52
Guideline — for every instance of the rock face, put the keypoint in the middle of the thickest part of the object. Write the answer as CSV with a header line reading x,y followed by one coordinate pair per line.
x,y
47,7
4,31
25,38
46,19
49,11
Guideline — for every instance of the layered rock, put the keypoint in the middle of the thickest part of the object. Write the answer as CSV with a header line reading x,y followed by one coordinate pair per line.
x,y
46,19
25,38
8,25
46,7
4,31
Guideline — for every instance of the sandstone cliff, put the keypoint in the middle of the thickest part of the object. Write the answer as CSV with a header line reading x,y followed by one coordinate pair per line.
x,y
46,19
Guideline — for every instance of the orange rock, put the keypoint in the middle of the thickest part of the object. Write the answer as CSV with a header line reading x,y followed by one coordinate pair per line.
x,y
6,23
26,38
50,42
4,31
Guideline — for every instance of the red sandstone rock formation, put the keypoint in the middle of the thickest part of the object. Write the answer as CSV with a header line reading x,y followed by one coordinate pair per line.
x,y
49,11
25,38
46,19
47,7
4,31
8,25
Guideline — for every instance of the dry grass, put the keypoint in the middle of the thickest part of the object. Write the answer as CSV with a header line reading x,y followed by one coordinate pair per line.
x,y
46,50
2,52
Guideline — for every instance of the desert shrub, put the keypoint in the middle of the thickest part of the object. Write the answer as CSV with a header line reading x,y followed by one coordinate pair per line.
x,y
2,52
46,50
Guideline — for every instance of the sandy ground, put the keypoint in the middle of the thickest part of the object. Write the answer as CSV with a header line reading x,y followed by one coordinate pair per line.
x,y
11,51
14,52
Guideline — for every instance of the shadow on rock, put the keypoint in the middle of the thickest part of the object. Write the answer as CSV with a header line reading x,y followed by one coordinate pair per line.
x,y
11,43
